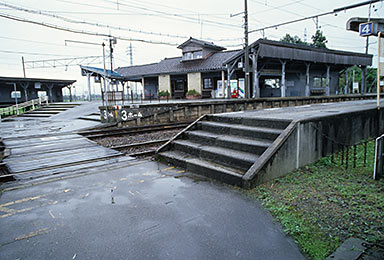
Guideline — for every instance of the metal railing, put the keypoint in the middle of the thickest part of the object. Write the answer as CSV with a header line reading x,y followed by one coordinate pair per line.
x,y
23,107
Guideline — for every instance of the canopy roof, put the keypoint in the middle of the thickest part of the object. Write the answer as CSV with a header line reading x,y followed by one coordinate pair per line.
x,y
100,72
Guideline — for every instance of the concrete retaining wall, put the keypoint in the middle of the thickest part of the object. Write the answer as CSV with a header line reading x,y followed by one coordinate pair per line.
x,y
306,141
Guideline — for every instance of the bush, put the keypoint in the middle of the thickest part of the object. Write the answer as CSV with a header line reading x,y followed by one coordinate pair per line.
x,y
193,92
164,93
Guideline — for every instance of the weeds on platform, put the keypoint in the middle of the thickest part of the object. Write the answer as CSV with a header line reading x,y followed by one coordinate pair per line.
x,y
324,203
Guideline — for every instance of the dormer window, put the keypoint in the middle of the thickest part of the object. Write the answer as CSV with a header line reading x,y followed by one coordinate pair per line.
x,y
193,55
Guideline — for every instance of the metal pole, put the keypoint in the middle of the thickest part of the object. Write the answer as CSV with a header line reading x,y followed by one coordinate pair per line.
x,y
369,19
110,53
105,74
246,50
17,106
378,71
130,54
22,60
89,86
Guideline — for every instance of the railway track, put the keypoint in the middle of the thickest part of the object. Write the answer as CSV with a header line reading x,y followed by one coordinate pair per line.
x,y
141,141
101,133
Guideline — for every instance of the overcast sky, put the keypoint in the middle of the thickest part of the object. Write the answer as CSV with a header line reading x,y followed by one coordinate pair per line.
x,y
166,22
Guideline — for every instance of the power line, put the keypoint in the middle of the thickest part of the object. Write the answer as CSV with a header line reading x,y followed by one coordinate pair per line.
x,y
274,7
316,16
164,14
174,14
34,53
294,13
40,42
66,29
70,20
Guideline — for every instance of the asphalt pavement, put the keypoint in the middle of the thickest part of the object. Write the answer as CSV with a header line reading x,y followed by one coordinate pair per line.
x,y
141,209
145,210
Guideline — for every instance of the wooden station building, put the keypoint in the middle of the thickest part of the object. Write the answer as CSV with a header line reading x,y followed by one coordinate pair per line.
x,y
31,88
278,69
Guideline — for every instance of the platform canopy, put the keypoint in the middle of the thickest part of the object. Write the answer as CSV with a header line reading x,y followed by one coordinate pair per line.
x,y
56,82
95,72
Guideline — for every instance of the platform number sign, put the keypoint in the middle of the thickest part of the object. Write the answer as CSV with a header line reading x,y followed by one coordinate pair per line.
x,y
366,29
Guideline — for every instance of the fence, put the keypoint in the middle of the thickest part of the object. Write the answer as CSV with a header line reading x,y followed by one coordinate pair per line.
x,y
23,107
349,155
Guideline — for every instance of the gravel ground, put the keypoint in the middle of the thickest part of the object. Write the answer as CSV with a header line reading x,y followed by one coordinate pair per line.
x,y
137,138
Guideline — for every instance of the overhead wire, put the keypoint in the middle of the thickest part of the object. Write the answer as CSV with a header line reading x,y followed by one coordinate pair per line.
x,y
35,53
75,21
159,14
67,29
209,22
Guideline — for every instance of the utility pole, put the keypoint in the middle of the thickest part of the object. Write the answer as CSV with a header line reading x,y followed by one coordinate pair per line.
x,y
369,19
22,60
111,53
130,54
246,51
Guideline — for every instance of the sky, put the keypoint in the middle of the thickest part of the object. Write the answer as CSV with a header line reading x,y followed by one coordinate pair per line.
x,y
154,29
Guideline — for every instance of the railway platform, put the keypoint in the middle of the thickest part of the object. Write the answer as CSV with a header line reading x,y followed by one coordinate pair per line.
x,y
119,207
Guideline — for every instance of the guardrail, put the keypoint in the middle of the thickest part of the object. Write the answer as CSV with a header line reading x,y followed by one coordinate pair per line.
x,y
23,107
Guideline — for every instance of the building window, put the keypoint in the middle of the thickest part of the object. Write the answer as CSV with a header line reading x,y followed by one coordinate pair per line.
x,y
192,55
207,84
319,82
197,55
272,83
187,56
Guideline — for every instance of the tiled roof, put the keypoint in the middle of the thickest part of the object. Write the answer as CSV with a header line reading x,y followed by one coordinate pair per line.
x,y
176,65
210,45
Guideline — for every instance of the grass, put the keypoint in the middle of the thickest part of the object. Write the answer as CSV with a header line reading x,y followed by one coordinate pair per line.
x,y
6,112
324,203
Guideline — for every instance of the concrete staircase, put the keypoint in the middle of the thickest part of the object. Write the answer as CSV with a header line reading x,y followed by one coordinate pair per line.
x,y
49,110
222,147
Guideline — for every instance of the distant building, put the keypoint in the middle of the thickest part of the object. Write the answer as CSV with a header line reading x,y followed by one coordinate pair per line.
x,y
31,88
277,70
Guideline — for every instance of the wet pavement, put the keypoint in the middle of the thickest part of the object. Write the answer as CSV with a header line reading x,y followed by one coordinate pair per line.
x,y
136,209
145,210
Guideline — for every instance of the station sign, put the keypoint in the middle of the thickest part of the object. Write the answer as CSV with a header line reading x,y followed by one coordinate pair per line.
x,y
368,29
15,94
118,114
365,29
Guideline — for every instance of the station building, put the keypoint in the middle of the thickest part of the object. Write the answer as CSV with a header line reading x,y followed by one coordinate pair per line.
x,y
278,69
31,88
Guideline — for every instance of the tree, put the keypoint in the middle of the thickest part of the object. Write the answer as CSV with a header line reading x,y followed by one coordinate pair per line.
x,y
370,78
319,40
295,39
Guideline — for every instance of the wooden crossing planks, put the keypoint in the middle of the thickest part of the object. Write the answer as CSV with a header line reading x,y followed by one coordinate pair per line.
x,y
37,156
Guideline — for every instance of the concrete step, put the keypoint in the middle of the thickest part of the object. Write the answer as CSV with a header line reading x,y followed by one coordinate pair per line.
x,y
258,122
224,156
254,146
52,109
62,105
43,112
209,169
240,130
34,115
95,118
